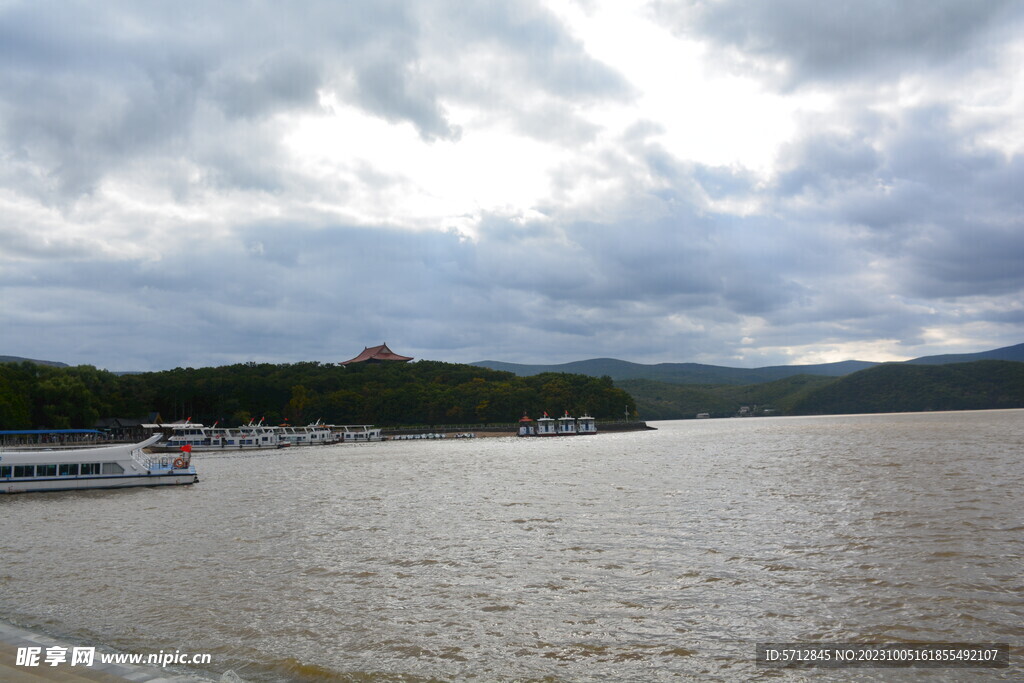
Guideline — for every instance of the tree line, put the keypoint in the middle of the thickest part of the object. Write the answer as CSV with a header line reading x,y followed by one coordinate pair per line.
x,y
34,396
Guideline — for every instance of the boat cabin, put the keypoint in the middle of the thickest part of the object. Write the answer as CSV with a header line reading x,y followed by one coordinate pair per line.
x,y
566,425
546,426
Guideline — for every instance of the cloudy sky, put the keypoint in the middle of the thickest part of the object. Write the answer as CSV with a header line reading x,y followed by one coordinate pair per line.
x,y
736,183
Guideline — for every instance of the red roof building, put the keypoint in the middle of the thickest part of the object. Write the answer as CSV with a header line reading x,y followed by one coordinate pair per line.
x,y
378,354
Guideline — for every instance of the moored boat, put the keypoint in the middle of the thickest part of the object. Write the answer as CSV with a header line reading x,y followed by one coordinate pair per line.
x,y
200,439
546,426
567,425
310,435
563,426
101,467
527,427
586,425
355,433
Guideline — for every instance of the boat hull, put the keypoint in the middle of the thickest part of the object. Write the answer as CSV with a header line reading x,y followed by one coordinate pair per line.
x,y
87,483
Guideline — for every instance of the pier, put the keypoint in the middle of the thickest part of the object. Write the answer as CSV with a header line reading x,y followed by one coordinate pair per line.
x,y
504,429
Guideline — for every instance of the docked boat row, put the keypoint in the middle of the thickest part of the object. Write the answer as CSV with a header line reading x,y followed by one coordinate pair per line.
x,y
563,426
166,460
157,461
259,436
66,469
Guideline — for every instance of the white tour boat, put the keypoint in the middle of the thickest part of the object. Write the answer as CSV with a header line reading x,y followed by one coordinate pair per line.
x,y
567,425
310,435
355,433
101,467
546,426
204,439
563,426
527,427
586,425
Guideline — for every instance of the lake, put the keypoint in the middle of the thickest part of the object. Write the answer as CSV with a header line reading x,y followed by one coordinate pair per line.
x,y
640,556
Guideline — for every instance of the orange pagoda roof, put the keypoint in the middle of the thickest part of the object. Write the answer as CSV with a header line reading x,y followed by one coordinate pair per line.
x,y
377,354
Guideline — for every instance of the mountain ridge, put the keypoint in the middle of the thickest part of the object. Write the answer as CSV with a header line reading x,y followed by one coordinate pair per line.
x,y
19,359
698,373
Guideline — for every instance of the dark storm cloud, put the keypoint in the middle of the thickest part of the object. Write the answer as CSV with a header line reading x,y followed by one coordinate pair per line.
x,y
523,291
287,288
820,161
923,193
279,294
277,81
824,42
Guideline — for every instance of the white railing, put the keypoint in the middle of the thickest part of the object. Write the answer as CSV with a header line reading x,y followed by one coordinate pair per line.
x,y
141,458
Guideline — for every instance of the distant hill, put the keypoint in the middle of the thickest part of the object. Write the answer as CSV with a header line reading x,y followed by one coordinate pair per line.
x,y
902,387
680,373
16,359
665,401
1006,353
891,387
697,373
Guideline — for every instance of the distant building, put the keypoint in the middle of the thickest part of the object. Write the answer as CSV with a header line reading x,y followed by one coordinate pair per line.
x,y
128,429
378,354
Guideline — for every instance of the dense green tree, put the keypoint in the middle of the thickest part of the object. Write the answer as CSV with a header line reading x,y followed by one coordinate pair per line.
x,y
422,393
15,403
65,401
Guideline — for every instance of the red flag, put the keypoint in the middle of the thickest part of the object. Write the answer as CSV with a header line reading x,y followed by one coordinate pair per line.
x,y
187,448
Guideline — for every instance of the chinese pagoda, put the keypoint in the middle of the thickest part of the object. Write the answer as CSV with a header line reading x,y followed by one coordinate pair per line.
x,y
378,354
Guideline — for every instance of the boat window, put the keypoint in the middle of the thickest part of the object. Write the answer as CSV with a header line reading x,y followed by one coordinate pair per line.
x,y
112,468
68,469
5,470
46,470
24,470
90,468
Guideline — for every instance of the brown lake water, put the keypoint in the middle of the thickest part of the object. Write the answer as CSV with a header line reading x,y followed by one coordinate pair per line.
x,y
644,556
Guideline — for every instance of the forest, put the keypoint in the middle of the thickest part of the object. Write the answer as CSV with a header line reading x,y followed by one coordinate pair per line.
x,y
34,396
885,388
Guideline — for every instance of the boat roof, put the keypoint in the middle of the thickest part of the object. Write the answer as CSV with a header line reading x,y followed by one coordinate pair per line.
x,y
68,455
15,432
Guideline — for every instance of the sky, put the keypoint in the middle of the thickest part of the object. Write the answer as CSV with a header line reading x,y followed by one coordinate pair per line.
x,y
734,183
